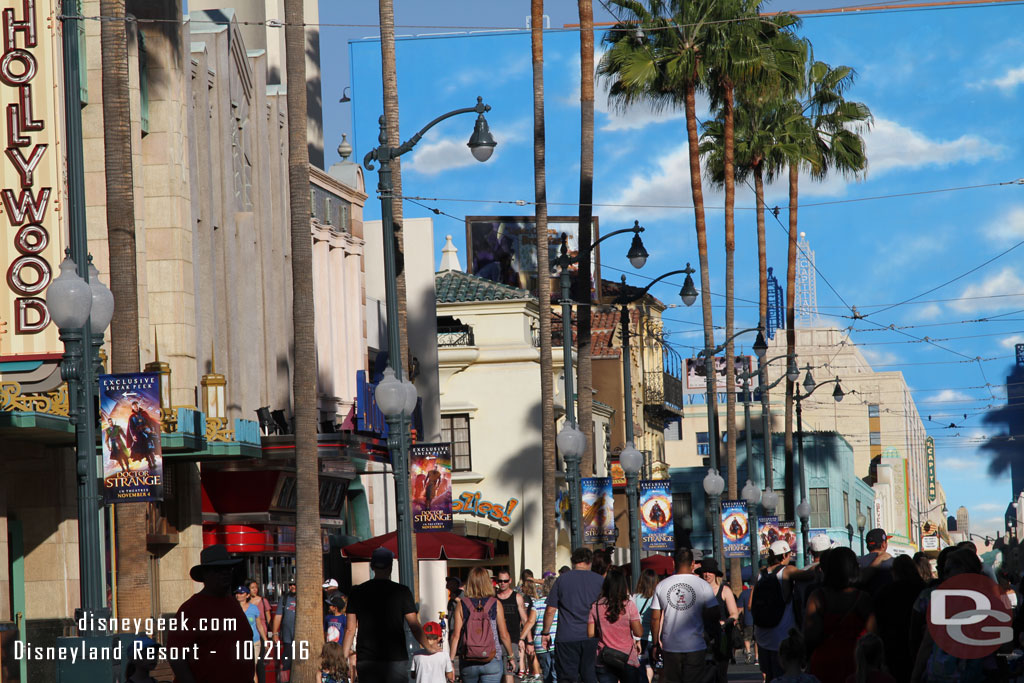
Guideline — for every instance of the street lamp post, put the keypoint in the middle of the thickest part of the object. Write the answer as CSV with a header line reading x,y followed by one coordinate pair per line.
x,y
862,522
752,495
481,144
760,348
572,456
688,294
632,461
792,373
804,508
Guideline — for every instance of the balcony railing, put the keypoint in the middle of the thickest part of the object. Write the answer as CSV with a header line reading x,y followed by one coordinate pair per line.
x,y
662,389
461,335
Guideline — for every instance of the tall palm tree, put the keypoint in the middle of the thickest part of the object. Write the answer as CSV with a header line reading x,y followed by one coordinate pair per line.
x,y
585,402
659,53
742,54
822,129
549,530
308,549
133,579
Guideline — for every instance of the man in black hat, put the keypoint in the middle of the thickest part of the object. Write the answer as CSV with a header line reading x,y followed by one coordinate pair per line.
x,y
379,610
283,631
217,654
876,565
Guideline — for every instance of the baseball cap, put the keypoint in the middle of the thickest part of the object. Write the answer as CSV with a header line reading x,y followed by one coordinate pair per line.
x,y
432,628
330,583
820,543
382,557
875,538
780,548
337,600
241,589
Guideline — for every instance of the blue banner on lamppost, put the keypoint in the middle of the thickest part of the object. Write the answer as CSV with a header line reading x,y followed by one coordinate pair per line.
x,y
132,455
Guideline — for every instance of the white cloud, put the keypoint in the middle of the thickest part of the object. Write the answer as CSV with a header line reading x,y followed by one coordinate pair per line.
x,y
509,70
891,145
1008,81
958,464
988,507
927,312
1002,283
879,358
1009,227
947,396
436,154
1012,341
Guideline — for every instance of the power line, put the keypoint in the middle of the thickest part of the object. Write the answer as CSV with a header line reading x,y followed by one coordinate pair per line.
x,y
952,280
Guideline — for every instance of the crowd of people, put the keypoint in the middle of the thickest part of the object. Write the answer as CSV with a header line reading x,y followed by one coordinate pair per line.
x,y
840,619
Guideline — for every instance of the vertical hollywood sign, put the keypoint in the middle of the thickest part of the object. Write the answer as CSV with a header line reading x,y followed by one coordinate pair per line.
x,y
25,204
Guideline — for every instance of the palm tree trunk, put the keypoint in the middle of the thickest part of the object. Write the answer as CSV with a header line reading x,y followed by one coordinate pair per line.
x,y
389,74
585,402
390,79
735,577
794,174
762,279
308,549
549,532
133,579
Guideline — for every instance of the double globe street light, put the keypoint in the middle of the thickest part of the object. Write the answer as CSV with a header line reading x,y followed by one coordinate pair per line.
x,y
82,312
396,395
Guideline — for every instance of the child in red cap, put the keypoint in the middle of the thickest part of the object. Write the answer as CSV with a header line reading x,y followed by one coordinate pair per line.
x,y
432,665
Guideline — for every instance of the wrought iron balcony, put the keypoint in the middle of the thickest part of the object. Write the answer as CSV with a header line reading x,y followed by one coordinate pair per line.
x,y
458,335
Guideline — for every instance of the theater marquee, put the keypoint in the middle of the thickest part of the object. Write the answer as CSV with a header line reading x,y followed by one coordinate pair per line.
x,y
30,182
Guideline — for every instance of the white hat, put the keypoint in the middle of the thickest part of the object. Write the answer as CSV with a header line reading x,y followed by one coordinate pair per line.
x,y
780,548
330,583
820,543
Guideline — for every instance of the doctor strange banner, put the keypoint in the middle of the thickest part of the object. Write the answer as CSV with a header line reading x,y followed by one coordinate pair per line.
x,y
656,527
431,486
130,423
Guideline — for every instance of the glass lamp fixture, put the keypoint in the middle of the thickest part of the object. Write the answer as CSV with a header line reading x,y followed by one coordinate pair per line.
x,y
688,293
481,142
69,298
390,395
770,499
803,510
411,397
751,494
631,459
102,310
571,441
714,484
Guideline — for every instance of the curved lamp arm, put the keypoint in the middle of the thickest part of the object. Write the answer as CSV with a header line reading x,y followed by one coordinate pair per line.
x,y
623,299
721,347
563,259
385,153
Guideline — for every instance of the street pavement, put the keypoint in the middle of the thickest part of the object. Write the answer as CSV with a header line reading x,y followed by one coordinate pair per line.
x,y
745,673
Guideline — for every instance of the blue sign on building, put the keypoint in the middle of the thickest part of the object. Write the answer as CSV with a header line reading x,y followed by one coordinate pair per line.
x,y
776,305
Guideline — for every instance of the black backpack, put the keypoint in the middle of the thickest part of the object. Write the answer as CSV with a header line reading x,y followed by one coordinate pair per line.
x,y
767,605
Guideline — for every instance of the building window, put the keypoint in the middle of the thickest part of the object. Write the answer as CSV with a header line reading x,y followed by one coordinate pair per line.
x,y
702,444
876,438
455,430
873,410
673,430
820,518
846,508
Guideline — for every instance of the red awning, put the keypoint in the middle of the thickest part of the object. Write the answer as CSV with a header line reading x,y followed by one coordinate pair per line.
x,y
434,545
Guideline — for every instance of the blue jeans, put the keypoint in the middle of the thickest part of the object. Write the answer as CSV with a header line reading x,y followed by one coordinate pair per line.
x,y
631,675
491,672
547,667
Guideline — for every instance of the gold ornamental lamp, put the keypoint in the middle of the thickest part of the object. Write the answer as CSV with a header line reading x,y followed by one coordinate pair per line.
x,y
214,387
164,370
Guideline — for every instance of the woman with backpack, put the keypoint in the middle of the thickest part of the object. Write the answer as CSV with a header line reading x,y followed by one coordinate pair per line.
x,y
480,633
771,605
615,622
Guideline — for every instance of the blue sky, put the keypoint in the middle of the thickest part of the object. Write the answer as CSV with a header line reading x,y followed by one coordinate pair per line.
x,y
945,87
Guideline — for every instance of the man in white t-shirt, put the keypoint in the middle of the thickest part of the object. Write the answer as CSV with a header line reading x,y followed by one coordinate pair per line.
x,y
683,604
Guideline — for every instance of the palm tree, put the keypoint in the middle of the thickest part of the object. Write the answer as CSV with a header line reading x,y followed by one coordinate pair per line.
x,y
743,54
585,402
133,579
659,52
308,549
549,531
822,131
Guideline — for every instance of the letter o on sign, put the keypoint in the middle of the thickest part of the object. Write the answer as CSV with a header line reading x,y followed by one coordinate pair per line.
x,y
16,279
28,67
31,239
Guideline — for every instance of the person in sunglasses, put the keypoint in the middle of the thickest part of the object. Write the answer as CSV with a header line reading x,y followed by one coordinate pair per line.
x,y
516,617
